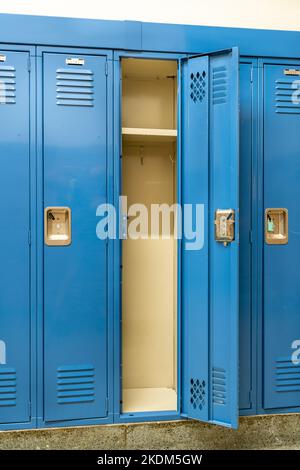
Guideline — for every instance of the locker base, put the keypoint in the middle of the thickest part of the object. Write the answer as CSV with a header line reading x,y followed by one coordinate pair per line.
x,y
263,432
149,399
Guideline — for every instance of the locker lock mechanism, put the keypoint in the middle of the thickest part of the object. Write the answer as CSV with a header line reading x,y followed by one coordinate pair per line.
x,y
276,226
57,226
224,225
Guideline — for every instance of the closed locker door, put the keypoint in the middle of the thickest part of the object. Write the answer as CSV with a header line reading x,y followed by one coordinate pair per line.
x,y
14,238
282,236
75,264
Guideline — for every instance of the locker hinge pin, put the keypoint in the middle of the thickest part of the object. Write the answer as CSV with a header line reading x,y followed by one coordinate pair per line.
x,y
250,237
106,68
106,405
29,237
29,409
251,77
251,397
29,64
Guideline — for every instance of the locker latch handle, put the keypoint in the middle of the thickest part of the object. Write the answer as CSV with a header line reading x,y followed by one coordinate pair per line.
x,y
224,225
276,226
57,226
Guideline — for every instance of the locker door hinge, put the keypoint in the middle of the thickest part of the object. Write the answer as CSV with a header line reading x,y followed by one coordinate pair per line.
x,y
29,237
251,75
250,237
106,68
29,409
106,405
29,64
251,397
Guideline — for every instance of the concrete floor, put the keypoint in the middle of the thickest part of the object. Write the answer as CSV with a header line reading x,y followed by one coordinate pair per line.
x,y
263,432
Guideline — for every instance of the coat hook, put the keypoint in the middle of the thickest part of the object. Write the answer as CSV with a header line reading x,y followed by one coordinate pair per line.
x,y
142,154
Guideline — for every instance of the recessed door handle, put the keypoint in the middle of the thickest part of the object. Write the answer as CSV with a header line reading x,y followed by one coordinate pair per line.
x,y
57,226
276,226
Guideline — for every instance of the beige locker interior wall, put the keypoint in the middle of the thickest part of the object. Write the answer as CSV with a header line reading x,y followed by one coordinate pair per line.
x,y
148,94
148,175
149,281
149,300
271,14
148,314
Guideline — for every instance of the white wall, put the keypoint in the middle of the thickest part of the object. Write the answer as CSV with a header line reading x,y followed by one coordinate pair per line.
x,y
272,14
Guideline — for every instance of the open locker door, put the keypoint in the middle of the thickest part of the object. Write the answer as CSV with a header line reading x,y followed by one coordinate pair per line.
x,y
210,148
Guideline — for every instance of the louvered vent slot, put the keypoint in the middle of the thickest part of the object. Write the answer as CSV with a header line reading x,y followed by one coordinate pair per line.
x,y
197,86
197,393
287,96
287,376
75,384
74,87
219,386
8,386
7,85
219,85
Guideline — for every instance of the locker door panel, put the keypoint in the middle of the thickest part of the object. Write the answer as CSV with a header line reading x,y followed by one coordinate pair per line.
x,y
281,262
14,240
75,297
210,274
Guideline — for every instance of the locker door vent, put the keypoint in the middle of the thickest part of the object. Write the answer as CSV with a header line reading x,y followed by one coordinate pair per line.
x,y
74,87
7,85
219,85
218,386
197,86
75,384
287,96
287,376
8,386
197,393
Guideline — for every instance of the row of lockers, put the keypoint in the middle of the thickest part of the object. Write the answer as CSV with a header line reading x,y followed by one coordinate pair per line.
x,y
59,343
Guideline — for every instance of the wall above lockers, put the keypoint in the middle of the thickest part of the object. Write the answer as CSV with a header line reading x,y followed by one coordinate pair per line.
x,y
268,14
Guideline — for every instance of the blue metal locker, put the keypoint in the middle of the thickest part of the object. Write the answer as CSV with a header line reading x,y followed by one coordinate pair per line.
x,y
281,261
210,275
75,272
14,237
247,122
74,289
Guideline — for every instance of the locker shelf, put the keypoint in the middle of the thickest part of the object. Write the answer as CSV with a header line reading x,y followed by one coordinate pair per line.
x,y
149,399
137,134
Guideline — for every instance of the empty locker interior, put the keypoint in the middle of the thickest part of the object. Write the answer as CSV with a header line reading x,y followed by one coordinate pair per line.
x,y
149,266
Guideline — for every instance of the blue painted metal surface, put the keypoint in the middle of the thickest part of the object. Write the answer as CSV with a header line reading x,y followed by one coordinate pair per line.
x,y
281,262
195,302
72,32
15,311
210,275
139,36
75,276
247,107
199,39
224,285
250,269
